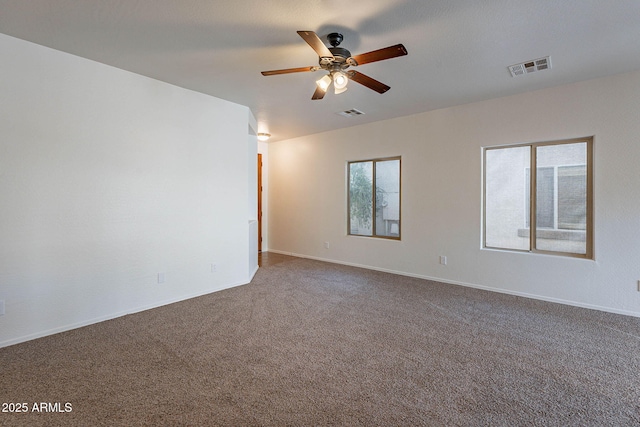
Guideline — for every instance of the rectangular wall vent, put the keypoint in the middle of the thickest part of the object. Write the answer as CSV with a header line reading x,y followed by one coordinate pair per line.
x,y
530,66
350,113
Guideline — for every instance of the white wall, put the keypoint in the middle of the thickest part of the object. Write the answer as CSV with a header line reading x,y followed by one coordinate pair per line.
x,y
441,193
108,178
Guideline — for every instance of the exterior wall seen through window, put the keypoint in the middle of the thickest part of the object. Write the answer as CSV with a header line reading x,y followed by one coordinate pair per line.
x,y
558,200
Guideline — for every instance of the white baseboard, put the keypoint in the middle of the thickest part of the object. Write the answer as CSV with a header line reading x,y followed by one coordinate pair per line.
x,y
95,320
469,285
251,275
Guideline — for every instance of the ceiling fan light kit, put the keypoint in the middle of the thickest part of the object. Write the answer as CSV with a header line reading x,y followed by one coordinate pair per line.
x,y
340,80
324,83
338,90
336,60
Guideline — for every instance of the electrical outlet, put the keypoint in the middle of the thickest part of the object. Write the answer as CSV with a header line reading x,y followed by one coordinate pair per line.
x,y
326,245
443,260
214,268
1,307
160,278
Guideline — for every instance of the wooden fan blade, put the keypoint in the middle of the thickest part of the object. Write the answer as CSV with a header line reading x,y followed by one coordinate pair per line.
x,y
368,82
319,93
380,54
288,70
316,44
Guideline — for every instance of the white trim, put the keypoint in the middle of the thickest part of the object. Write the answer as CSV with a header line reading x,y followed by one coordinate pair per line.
x,y
255,270
72,326
469,285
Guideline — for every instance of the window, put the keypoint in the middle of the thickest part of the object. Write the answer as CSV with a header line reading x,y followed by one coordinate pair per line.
x,y
557,197
374,198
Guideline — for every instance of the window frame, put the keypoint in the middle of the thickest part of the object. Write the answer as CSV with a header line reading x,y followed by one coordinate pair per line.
x,y
373,197
533,230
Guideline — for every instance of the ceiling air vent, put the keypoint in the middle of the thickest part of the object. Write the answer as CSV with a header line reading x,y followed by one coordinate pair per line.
x,y
350,113
530,66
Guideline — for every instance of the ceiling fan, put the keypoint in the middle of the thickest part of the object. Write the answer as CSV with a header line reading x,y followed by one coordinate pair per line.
x,y
336,60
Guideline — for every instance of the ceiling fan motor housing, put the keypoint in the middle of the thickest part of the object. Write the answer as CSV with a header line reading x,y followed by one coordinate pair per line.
x,y
339,60
340,54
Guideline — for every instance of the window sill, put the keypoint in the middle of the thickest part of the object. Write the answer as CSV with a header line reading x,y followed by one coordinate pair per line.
x,y
571,235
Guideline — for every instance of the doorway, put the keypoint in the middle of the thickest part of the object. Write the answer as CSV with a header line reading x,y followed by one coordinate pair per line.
x,y
259,203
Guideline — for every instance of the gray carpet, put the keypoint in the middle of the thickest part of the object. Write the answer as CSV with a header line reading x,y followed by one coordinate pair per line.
x,y
311,343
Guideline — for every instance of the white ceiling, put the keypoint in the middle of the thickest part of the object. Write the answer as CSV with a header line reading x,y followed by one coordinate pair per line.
x,y
459,50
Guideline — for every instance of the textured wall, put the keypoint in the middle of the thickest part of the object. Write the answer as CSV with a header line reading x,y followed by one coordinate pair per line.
x,y
108,178
442,187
